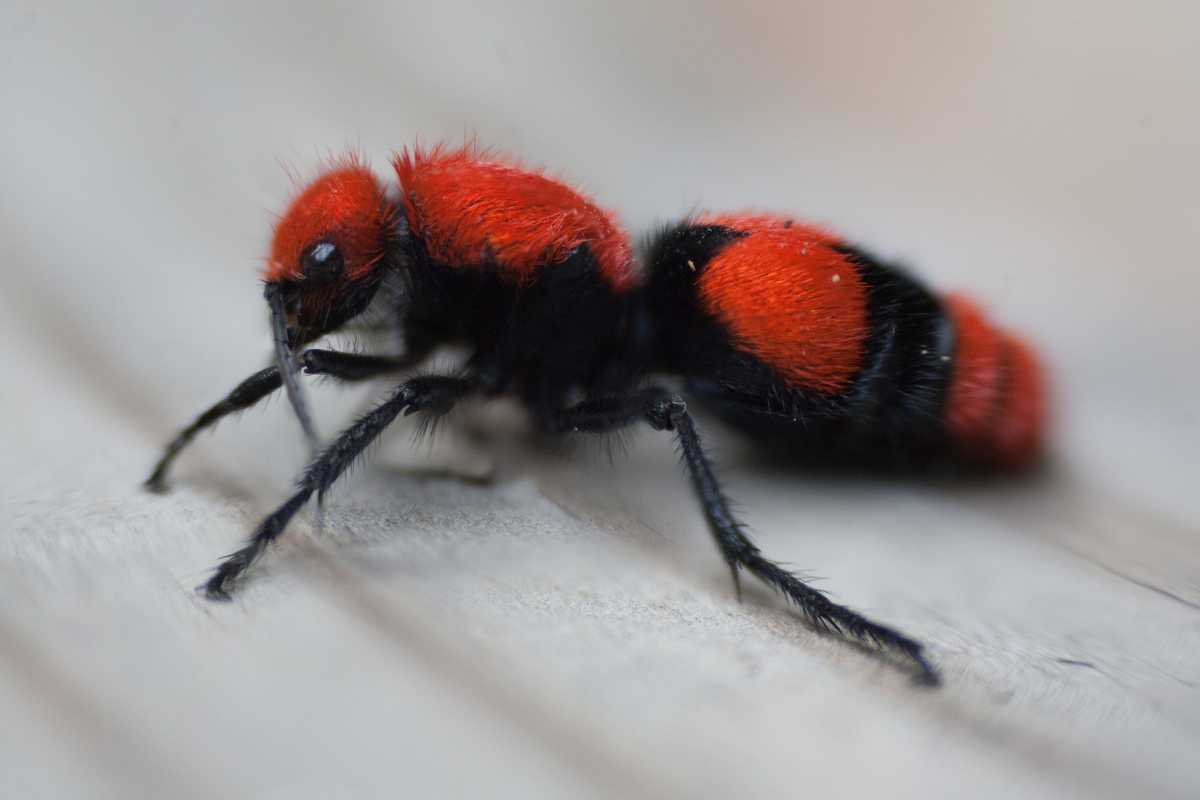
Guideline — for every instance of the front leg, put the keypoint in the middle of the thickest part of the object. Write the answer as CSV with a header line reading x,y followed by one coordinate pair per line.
x,y
434,394
342,366
665,411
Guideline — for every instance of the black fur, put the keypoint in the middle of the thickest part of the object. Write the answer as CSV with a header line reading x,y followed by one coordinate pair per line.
x,y
435,394
244,395
897,403
890,416
342,366
665,411
576,352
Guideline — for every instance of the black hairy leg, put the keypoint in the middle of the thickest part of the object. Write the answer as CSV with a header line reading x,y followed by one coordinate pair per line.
x,y
665,411
342,366
432,394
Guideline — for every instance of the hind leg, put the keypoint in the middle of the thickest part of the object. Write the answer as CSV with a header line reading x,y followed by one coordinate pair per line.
x,y
668,412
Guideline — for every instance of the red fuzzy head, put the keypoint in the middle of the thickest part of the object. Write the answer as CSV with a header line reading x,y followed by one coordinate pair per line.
x,y
323,265
327,250
345,207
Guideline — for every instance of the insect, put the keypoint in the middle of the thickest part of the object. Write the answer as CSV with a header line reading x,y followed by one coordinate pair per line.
x,y
783,329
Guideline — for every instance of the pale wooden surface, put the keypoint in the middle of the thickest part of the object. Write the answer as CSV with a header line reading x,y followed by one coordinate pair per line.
x,y
568,629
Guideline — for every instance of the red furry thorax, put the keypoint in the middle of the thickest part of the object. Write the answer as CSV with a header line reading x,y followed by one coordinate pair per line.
x,y
470,208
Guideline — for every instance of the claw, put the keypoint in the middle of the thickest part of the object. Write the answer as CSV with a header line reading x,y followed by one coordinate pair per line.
x,y
319,516
155,484
215,591
928,675
737,580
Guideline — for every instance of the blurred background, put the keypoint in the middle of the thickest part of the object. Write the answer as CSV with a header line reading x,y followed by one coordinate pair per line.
x,y
567,630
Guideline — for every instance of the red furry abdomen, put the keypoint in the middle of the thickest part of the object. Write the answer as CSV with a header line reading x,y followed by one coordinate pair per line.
x,y
996,408
788,297
471,209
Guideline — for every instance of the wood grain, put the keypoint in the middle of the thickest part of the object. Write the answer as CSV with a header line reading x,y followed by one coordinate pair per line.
x,y
566,628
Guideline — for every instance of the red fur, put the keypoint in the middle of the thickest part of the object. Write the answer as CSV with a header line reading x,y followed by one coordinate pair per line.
x,y
790,299
997,402
975,391
470,208
345,205
1018,433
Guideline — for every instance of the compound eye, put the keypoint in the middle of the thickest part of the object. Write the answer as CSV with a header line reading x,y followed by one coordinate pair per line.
x,y
322,263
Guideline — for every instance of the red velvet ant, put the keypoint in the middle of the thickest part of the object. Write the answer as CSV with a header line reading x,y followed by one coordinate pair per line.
x,y
782,329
